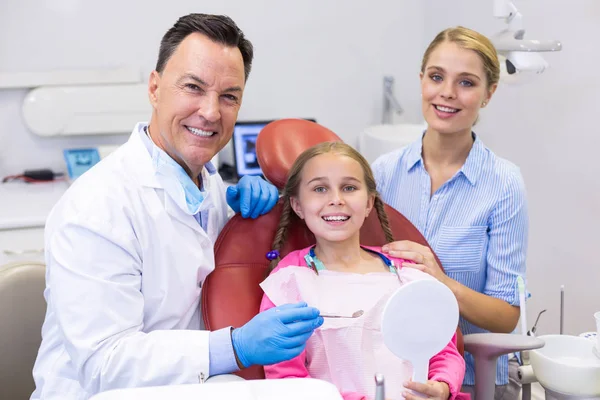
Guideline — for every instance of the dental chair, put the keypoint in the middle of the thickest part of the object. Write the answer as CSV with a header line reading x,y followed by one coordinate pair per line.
x,y
231,294
22,310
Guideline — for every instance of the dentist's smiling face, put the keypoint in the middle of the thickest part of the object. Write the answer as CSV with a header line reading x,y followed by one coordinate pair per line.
x,y
453,89
333,198
196,100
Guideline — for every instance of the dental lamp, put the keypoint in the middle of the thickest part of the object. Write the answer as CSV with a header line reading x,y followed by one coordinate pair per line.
x,y
519,57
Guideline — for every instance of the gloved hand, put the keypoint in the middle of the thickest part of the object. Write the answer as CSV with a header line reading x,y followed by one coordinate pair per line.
x,y
252,196
275,335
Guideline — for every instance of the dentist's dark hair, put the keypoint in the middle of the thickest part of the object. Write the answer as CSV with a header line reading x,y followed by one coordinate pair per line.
x,y
294,179
218,28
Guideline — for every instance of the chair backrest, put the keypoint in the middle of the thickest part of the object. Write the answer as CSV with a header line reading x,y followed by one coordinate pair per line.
x,y
231,294
22,310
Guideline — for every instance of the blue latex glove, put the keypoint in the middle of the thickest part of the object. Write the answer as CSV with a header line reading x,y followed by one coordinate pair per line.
x,y
252,196
275,335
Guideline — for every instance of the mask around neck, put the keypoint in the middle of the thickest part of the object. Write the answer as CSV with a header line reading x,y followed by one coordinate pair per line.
x,y
176,182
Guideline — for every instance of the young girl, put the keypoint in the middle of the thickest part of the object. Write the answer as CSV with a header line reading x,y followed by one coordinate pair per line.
x,y
331,187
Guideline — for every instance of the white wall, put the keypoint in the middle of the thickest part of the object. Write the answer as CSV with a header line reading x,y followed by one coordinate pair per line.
x,y
326,60
317,59
549,128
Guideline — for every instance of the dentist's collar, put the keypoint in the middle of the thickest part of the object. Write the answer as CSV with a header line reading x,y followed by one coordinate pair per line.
x,y
149,143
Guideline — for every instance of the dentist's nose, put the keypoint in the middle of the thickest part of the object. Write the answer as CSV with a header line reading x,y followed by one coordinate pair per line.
x,y
210,108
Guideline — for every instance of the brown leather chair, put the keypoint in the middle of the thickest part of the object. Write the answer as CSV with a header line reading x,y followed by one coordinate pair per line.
x,y
22,310
231,294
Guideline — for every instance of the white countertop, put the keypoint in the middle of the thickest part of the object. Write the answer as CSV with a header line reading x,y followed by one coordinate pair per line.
x,y
27,205
258,389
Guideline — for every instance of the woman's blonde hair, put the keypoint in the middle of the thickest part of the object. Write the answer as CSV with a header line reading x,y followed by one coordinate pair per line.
x,y
292,187
470,40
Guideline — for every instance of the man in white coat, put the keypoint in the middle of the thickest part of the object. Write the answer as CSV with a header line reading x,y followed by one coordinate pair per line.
x,y
130,243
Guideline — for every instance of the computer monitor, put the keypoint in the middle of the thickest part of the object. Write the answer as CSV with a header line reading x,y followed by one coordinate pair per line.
x,y
244,147
80,160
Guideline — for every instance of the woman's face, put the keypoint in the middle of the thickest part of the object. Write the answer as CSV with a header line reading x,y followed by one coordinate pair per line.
x,y
453,89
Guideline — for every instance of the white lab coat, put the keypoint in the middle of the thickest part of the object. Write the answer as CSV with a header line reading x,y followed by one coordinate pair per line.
x,y
124,271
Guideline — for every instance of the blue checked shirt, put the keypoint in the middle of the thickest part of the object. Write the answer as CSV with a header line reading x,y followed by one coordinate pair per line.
x,y
476,222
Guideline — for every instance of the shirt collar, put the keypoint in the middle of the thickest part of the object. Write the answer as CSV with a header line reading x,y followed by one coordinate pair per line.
x,y
209,167
470,169
414,155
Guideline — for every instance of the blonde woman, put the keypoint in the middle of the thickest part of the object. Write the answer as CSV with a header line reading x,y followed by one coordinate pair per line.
x,y
468,203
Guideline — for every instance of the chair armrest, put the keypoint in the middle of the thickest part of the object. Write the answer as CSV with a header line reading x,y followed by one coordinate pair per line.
x,y
486,348
493,345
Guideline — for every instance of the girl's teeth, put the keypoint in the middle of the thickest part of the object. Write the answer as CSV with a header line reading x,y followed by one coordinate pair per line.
x,y
340,218
199,132
446,109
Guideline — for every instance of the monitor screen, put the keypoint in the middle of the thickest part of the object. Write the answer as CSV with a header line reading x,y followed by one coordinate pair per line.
x,y
80,160
244,146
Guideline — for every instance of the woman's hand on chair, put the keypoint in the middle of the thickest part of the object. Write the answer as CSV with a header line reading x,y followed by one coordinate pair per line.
x,y
431,390
420,255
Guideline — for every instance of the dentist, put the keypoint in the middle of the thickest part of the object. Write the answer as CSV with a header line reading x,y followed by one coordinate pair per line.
x,y
131,242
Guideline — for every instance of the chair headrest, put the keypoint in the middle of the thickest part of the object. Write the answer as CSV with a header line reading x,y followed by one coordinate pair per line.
x,y
280,142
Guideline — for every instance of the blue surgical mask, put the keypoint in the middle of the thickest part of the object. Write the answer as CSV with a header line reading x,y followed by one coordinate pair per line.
x,y
176,182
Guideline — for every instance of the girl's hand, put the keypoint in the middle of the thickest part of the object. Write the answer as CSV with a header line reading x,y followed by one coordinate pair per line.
x,y
430,390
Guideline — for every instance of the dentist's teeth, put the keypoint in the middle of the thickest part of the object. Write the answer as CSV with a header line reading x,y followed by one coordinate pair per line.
x,y
336,218
199,132
446,109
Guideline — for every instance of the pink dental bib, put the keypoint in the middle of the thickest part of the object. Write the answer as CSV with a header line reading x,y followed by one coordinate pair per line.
x,y
347,352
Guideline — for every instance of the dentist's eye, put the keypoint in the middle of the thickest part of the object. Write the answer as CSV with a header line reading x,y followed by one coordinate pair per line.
x,y
231,98
192,87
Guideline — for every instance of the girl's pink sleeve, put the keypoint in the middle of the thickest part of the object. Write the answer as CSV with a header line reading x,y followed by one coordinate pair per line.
x,y
448,366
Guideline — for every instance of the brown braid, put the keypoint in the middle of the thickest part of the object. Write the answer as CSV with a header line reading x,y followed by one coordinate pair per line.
x,y
282,230
383,219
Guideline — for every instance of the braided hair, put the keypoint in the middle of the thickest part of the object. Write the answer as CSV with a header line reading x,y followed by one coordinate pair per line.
x,y
292,186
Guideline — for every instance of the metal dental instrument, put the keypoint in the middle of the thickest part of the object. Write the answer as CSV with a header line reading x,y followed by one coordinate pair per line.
x,y
532,330
379,387
562,309
355,314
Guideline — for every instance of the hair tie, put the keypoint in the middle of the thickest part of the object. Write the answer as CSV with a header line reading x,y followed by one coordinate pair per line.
x,y
272,255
